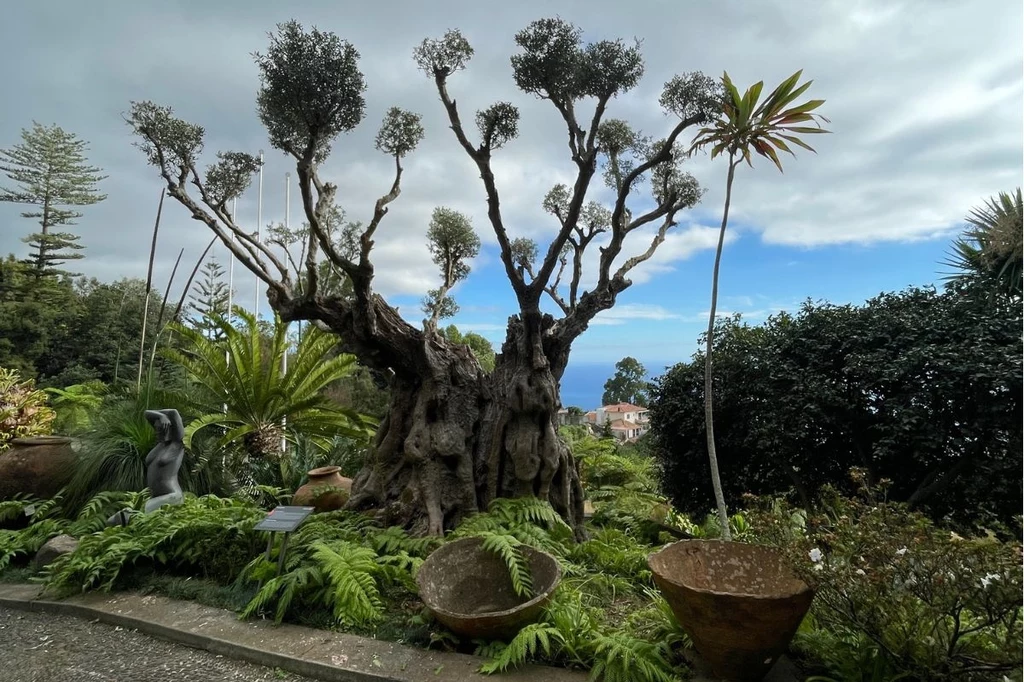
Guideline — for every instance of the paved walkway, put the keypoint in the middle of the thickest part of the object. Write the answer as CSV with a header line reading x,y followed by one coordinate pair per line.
x,y
37,647
318,654
109,638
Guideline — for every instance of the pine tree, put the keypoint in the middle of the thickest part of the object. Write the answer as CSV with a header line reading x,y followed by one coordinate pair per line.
x,y
52,174
209,299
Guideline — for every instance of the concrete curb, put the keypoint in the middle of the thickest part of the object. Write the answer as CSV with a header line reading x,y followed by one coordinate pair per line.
x,y
320,654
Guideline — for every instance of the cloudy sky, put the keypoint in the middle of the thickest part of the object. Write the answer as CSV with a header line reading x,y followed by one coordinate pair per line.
x,y
924,97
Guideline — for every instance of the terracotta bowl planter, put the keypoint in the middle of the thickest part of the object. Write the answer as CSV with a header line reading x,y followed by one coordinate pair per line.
x,y
326,490
469,589
39,466
740,604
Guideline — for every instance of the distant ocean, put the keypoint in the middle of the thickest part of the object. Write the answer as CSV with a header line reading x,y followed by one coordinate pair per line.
x,y
583,383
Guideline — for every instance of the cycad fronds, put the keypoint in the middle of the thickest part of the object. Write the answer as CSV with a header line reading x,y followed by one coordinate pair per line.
x,y
243,373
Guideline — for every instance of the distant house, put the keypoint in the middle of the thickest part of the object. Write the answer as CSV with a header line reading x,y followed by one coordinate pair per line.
x,y
567,418
625,421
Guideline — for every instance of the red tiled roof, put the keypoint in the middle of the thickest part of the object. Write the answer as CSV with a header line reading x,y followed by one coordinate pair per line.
x,y
623,407
623,425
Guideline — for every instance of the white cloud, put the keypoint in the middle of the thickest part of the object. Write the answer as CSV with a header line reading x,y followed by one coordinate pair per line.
x,y
624,312
924,98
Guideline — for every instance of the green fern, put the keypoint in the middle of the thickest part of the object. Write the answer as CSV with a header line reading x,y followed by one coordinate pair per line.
x,y
394,540
523,510
351,572
21,505
576,623
508,547
620,658
533,639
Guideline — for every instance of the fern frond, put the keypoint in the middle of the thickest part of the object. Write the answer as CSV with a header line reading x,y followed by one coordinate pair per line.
x,y
508,548
394,539
351,571
533,638
621,658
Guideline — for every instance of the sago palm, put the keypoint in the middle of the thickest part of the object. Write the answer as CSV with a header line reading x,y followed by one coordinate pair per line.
x,y
742,127
246,392
992,246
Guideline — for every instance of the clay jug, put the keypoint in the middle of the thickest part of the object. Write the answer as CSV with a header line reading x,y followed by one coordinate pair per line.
x,y
326,490
38,465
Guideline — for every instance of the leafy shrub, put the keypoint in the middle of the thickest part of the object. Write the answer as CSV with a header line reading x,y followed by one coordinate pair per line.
x,y
898,596
23,409
76,405
919,387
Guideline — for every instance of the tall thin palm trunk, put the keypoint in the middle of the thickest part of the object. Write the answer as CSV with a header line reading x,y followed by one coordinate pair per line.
x,y
709,410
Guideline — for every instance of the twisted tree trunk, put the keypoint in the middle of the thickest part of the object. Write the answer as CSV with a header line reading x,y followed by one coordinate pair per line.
x,y
455,438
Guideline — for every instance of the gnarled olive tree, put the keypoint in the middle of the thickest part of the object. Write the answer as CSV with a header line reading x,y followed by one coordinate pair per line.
x,y
455,437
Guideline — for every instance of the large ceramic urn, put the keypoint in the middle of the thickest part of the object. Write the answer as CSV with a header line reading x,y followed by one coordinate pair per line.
x,y
326,490
740,604
37,465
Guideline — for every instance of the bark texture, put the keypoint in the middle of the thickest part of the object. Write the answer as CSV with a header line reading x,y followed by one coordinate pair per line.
x,y
455,438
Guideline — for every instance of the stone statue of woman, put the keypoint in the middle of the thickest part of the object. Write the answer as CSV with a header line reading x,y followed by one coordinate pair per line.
x,y
164,460
162,464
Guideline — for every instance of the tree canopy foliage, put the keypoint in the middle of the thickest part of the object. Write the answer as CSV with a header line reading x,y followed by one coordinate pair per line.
x,y
52,175
919,387
629,384
65,332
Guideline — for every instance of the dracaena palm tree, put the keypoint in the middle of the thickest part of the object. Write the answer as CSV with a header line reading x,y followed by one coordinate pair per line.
x,y
990,249
245,391
744,126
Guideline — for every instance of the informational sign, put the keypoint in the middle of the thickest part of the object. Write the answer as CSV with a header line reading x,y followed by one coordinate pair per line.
x,y
284,519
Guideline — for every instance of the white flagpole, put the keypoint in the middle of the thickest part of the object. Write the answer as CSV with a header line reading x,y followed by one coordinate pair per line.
x,y
231,283
231,262
259,231
284,357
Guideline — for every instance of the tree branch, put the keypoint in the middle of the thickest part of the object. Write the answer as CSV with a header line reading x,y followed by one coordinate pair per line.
x,y
584,153
483,163
379,211
619,230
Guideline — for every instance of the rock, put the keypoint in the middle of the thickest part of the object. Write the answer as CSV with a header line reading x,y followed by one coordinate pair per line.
x,y
55,547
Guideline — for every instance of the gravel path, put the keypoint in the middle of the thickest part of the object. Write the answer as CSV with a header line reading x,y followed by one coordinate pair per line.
x,y
35,647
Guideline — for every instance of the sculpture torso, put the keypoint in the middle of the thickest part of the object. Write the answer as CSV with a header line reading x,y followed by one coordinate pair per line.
x,y
163,463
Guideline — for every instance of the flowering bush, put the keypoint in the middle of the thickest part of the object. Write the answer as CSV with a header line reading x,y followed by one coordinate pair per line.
x,y
897,595
23,409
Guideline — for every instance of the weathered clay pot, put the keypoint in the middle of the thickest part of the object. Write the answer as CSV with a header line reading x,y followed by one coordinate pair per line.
x,y
326,490
739,603
39,466
469,589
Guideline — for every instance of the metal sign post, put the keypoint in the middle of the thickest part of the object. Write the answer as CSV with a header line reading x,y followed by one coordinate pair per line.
x,y
282,520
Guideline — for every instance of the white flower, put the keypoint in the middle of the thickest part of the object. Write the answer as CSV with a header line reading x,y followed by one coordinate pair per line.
x,y
815,555
817,567
901,551
987,580
860,571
